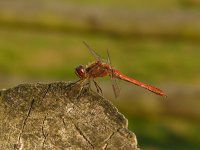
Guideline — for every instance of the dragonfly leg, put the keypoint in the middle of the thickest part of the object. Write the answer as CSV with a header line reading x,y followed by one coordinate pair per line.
x,y
85,86
74,83
81,83
99,90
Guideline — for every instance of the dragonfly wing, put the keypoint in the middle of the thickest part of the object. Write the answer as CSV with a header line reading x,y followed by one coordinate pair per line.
x,y
115,85
95,54
109,61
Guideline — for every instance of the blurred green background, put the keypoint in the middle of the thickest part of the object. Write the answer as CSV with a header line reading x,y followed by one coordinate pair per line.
x,y
157,42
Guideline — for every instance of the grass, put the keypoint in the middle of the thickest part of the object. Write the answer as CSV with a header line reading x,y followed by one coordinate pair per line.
x,y
68,16
53,55
48,48
166,133
45,54
129,4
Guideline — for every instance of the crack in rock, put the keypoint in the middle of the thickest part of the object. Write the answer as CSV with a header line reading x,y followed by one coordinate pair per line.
x,y
24,122
43,133
82,134
109,137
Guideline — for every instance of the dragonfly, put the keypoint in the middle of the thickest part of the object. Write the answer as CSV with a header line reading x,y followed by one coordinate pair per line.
x,y
102,68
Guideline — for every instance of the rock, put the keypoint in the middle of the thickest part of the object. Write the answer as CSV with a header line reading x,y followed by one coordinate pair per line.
x,y
59,116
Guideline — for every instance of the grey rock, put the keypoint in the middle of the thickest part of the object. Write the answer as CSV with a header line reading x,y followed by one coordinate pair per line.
x,y
59,116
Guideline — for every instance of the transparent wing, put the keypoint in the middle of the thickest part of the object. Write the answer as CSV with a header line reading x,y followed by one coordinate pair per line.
x,y
115,85
95,54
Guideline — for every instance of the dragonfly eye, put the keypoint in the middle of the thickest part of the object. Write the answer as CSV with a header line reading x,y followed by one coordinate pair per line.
x,y
80,71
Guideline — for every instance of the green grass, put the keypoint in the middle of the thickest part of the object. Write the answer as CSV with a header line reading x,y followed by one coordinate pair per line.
x,y
111,18
47,47
133,4
51,55
165,133
26,52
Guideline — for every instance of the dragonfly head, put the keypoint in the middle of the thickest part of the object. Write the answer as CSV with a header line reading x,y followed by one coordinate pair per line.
x,y
80,71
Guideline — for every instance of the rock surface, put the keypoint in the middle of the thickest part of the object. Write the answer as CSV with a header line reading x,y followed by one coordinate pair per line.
x,y
52,116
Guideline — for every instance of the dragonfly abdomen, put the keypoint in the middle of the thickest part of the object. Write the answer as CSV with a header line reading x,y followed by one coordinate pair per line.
x,y
153,89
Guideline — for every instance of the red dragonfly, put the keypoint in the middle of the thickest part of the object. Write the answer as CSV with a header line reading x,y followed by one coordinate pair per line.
x,y
101,68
